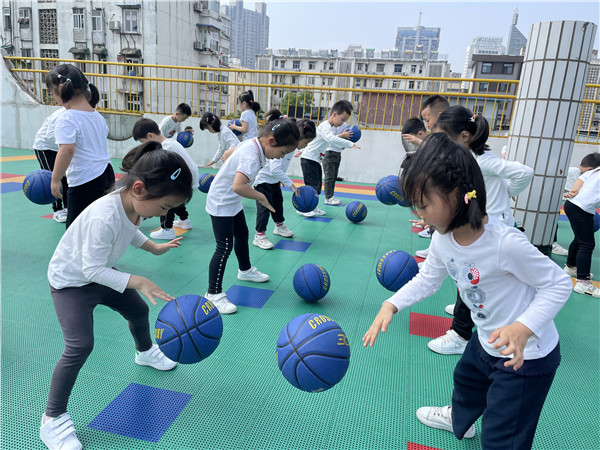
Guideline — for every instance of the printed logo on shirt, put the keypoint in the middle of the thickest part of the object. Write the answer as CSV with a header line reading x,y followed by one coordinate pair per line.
x,y
171,133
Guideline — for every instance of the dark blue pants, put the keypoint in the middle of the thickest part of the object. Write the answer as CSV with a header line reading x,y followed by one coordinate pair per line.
x,y
509,402
582,246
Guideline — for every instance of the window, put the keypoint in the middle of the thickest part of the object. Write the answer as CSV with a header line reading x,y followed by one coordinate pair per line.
x,y
413,68
311,65
49,65
48,26
397,68
380,67
97,20
296,65
359,67
411,84
357,83
377,83
131,21
356,97
394,84
366,67
503,87
26,52
78,18
24,17
486,67
483,87
478,110
6,13
133,101
283,64
294,79
310,81
276,63
420,69
507,68
135,71
330,66
103,100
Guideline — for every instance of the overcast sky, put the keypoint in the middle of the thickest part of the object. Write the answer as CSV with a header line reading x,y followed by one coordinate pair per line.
x,y
336,24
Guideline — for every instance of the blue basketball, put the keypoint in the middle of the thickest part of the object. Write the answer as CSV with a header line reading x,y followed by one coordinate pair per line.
x,y
188,329
396,268
237,123
389,192
185,138
311,282
205,181
356,133
313,352
306,200
596,222
36,187
356,211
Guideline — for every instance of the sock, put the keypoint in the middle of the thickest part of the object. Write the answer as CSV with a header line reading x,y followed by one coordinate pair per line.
x,y
260,233
278,224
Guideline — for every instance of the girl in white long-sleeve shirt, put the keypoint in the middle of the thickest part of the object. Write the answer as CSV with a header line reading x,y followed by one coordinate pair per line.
x,y
511,289
227,139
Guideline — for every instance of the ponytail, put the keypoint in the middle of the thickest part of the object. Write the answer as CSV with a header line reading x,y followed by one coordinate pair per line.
x,y
285,132
135,153
248,97
210,119
457,119
306,127
95,95
68,81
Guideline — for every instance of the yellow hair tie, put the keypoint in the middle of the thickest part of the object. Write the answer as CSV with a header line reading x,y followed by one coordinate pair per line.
x,y
470,196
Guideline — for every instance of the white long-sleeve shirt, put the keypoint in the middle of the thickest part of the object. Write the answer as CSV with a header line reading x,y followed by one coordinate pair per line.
x,y
44,138
227,140
502,278
274,171
503,179
337,131
315,150
93,244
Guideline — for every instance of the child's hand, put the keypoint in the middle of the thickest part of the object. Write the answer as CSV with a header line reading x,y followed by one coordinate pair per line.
x,y
412,139
572,193
55,189
382,320
346,134
263,201
514,337
148,289
297,154
209,164
160,249
294,188
356,147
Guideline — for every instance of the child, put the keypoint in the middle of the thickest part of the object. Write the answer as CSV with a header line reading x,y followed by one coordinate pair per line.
x,y
312,155
189,130
46,149
430,111
170,126
227,139
146,130
413,128
503,179
81,277
224,204
249,109
81,134
268,180
583,199
331,164
512,290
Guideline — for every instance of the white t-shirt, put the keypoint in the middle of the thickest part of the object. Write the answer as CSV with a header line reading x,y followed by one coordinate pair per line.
x,y
315,150
572,175
502,278
588,197
250,117
169,128
88,131
93,244
174,146
44,138
275,171
248,158
503,179
227,140
336,131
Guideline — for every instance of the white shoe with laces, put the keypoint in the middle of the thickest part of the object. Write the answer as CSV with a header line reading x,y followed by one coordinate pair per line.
x,y
252,274
572,271
450,309
559,250
333,201
422,253
448,344
59,433
587,288
60,216
262,241
440,418
319,212
306,214
154,357
283,231
425,233
183,224
167,234
220,301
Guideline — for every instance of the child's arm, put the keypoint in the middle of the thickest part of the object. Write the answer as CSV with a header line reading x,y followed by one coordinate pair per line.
x,y
278,172
241,187
574,190
332,139
61,164
227,154
412,139
148,289
243,127
518,175
160,249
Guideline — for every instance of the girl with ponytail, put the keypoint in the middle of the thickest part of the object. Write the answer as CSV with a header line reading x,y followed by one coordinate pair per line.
x,y
81,134
249,109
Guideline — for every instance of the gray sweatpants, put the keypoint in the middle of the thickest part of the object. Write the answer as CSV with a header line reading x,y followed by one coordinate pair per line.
x,y
74,309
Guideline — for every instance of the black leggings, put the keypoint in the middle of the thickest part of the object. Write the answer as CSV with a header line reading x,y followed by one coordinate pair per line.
x,y
80,197
275,198
462,322
230,232
313,175
167,221
46,158
582,246
74,309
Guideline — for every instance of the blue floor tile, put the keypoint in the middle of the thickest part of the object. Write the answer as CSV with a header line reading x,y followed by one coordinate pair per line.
x,y
248,296
296,246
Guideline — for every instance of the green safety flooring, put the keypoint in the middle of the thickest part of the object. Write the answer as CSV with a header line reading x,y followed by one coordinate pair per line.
x,y
240,400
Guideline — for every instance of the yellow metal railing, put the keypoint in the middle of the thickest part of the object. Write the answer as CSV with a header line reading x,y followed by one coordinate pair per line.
x,y
380,102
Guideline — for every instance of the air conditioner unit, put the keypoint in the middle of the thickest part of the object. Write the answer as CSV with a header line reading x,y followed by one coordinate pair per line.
x,y
198,7
114,25
198,45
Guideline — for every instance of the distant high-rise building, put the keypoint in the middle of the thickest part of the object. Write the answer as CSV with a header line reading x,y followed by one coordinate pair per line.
x,y
418,42
516,40
249,31
482,45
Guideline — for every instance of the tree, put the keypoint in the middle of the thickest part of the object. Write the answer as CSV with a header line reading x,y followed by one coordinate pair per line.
x,y
295,104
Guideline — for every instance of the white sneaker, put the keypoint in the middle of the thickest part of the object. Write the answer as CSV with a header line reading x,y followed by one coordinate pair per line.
x,y
440,418
559,250
449,344
60,216
284,231
422,253
425,234
306,214
572,271
332,201
252,274
319,212
450,309
154,358
183,224
59,433
588,288
223,305
167,234
262,241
